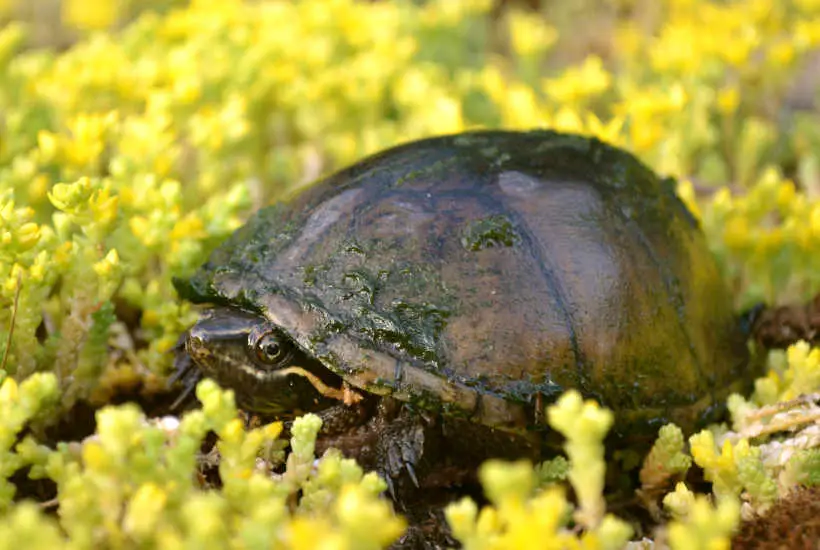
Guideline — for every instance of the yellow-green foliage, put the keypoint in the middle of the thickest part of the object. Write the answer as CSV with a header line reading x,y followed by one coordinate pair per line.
x,y
125,158
132,485
521,517
698,524
792,374
19,404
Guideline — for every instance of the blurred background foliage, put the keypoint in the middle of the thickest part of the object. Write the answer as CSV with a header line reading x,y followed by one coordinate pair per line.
x,y
136,135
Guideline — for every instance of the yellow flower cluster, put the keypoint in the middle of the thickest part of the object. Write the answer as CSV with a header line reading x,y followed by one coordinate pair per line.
x,y
520,516
699,525
734,468
133,485
792,374
768,238
19,403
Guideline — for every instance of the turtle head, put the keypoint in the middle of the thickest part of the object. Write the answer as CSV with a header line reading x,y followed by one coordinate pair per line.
x,y
269,373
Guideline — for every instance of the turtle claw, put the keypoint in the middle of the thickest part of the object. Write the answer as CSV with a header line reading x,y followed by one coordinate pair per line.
x,y
401,449
391,488
412,473
182,398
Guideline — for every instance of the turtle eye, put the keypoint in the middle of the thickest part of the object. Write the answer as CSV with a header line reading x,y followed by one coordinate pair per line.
x,y
272,349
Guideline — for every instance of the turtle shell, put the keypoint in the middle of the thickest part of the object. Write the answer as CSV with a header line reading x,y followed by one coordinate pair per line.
x,y
482,274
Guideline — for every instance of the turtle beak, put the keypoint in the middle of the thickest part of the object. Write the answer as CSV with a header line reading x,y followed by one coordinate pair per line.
x,y
193,350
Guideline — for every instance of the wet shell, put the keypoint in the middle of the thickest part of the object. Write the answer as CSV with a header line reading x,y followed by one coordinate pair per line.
x,y
484,273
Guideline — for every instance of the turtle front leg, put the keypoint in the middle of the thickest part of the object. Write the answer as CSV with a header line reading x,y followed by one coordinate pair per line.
x,y
382,435
400,445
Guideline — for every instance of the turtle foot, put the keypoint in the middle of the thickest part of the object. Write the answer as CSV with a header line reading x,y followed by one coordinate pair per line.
x,y
399,452
778,328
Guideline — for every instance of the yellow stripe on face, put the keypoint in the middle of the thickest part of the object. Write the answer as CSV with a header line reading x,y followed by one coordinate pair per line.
x,y
343,394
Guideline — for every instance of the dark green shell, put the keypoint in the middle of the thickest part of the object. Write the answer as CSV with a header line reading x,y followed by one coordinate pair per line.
x,y
473,273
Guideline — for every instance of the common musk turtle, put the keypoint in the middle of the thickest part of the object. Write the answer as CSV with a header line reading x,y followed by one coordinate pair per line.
x,y
430,300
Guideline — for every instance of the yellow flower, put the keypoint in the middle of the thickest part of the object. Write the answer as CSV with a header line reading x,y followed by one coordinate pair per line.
x,y
144,511
233,431
529,33
782,54
63,253
48,143
304,533
808,6
445,114
90,14
536,525
493,82
579,84
767,388
723,202
803,373
705,528
8,391
189,227
679,502
644,135
609,132
703,448
737,232
728,99
646,103
272,430
584,424
520,108
18,274
38,269
628,40
814,221
365,517
686,192
95,457
69,197
461,517
27,236
38,189
807,34
412,84
786,195
87,140
505,481
187,90
679,49
108,265
449,12
737,50
103,206
568,120
141,228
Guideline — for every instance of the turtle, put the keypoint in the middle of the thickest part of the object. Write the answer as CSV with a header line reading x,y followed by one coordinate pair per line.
x,y
430,300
